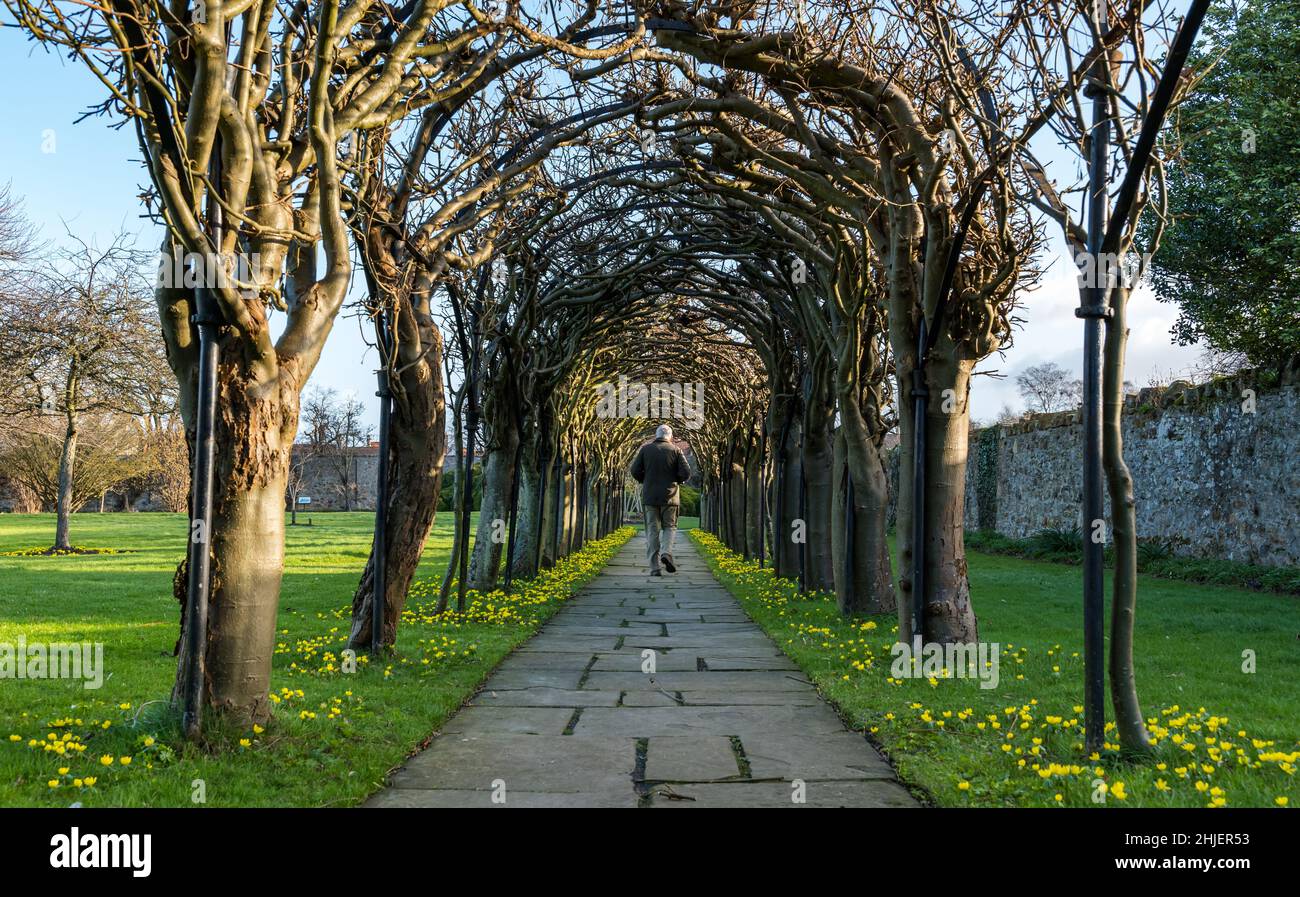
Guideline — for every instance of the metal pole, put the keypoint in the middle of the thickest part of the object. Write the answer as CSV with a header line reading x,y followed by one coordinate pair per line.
x,y
1093,310
850,533
920,403
762,492
379,590
199,565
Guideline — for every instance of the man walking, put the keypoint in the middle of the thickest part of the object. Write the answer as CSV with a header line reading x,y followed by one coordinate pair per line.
x,y
659,466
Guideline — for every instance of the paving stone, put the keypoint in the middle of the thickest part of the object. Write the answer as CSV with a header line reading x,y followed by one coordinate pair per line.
x,y
516,720
546,643
551,660
734,720
807,698
578,628
663,662
878,794
763,680
671,615
520,678
841,755
690,758
572,763
721,664
649,699
546,697
447,798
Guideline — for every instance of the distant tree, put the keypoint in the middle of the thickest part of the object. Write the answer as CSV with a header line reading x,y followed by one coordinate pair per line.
x,y
1229,255
333,432
81,336
1048,387
169,455
1008,415
110,451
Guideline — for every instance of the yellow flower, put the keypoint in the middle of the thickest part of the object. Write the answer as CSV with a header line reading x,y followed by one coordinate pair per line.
x,y
125,761
107,759
90,780
244,742
53,783
963,786
1117,791
1281,801
257,730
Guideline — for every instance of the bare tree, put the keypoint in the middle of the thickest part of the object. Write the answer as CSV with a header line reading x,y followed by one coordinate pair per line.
x,y
1048,387
333,432
81,337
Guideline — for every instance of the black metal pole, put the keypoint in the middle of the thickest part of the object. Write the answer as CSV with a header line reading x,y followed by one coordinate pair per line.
x,y
850,534
544,470
762,492
514,515
379,590
920,406
207,319
1092,310
803,509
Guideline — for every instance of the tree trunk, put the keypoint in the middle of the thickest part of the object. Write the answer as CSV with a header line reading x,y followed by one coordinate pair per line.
x,y
63,508
1123,506
528,516
254,430
754,525
417,448
820,484
498,474
949,616
864,581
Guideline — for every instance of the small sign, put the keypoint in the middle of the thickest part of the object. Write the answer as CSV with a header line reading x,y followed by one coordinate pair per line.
x,y
304,499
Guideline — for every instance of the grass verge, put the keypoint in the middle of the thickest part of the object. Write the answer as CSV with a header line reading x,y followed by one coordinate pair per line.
x,y
1156,557
1224,736
334,735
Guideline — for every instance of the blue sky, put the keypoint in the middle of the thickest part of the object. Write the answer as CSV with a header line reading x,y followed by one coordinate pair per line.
x,y
91,178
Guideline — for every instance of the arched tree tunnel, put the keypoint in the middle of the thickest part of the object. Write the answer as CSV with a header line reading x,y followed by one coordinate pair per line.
x,y
813,221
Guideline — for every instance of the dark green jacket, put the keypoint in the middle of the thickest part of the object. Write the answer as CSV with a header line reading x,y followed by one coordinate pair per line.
x,y
659,467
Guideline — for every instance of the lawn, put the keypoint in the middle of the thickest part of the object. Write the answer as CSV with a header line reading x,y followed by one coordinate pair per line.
x,y
334,735
1223,736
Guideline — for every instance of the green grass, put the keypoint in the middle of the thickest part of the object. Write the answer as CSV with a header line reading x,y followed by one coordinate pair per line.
x,y
365,722
1155,557
940,733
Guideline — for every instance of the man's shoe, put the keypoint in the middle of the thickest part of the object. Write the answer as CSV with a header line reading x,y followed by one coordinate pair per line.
x,y
655,573
667,561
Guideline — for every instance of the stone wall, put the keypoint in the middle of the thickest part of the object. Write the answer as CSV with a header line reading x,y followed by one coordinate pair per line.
x,y
323,484
1211,477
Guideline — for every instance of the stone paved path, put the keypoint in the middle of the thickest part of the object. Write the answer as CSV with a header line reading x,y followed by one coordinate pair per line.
x,y
570,719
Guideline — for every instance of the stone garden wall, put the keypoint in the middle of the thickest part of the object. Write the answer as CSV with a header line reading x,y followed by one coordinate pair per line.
x,y
1214,475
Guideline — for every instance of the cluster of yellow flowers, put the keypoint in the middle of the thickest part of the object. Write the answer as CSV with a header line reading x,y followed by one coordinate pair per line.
x,y
70,747
1043,749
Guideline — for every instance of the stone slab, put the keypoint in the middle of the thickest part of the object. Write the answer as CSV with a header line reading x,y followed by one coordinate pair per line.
x,y
690,758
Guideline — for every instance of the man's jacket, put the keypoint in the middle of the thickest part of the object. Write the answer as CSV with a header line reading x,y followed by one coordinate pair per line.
x,y
659,467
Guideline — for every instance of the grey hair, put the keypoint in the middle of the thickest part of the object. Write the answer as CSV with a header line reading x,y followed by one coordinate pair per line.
x,y
664,432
